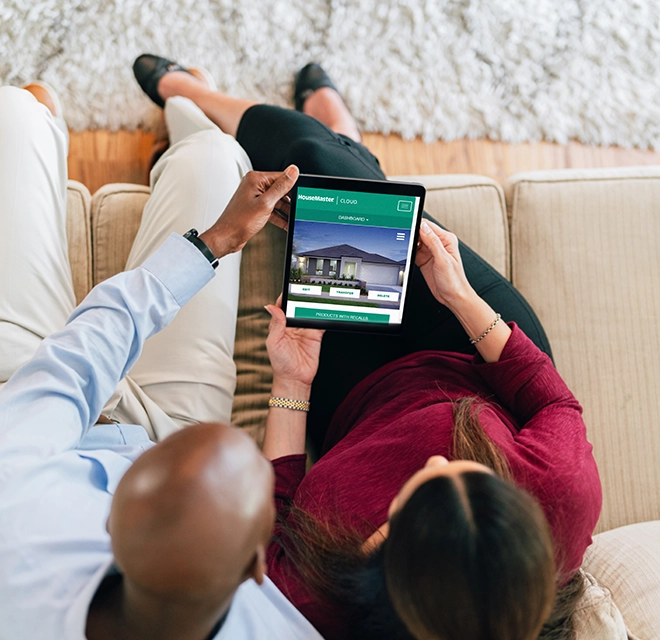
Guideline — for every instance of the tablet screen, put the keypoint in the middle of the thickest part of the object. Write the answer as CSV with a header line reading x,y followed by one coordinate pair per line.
x,y
351,250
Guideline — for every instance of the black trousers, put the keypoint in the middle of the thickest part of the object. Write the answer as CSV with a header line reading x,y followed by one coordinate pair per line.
x,y
274,138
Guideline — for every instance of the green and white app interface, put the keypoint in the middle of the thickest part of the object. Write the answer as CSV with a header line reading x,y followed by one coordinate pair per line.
x,y
351,255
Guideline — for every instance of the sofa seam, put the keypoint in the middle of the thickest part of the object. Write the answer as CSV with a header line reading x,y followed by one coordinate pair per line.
x,y
584,179
513,208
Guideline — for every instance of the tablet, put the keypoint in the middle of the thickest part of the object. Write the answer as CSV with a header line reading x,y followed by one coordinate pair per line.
x,y
350,252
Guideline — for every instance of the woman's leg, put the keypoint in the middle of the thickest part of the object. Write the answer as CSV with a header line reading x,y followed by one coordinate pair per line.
x,y
328,107
223,110
275,138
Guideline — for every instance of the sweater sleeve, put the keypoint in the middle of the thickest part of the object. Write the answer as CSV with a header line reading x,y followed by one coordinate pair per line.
x,y
551,456
289,473
524,379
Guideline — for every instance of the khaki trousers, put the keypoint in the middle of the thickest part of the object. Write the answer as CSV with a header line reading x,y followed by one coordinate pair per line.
x,y
186,373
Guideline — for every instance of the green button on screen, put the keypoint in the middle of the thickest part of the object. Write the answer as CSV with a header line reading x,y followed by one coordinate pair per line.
x,y
346,316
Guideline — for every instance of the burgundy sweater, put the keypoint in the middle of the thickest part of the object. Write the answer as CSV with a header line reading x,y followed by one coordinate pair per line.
x,y
399,416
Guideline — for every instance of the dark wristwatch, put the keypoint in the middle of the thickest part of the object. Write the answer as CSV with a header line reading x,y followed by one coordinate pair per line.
x,y
193,236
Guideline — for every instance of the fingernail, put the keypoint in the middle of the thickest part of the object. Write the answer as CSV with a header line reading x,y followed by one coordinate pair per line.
x,y
267,309
425,227
291,171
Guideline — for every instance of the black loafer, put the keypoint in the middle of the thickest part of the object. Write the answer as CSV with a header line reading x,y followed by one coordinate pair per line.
x,y
309,79
149,69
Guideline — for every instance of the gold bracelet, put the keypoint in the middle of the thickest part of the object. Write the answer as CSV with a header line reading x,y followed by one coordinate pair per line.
x,y
285,403
498,317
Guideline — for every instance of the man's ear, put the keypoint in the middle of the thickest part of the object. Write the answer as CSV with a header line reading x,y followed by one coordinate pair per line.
x,y
257,568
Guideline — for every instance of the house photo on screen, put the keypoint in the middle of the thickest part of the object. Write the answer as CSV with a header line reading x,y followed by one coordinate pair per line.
x,y
362,265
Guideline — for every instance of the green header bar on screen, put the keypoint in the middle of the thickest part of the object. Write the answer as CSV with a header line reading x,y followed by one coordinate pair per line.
x,y
354,207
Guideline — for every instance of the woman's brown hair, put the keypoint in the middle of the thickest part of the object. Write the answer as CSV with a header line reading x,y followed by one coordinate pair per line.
x,y
470,557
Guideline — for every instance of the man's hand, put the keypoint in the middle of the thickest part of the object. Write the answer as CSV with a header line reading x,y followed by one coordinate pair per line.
x,y
260,197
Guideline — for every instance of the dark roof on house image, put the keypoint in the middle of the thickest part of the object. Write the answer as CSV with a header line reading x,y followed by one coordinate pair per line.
x,y
347,251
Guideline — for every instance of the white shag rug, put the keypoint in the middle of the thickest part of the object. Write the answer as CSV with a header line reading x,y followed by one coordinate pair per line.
x,y
512,70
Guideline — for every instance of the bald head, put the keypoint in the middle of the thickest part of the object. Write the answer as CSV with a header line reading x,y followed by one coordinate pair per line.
x,y
193,515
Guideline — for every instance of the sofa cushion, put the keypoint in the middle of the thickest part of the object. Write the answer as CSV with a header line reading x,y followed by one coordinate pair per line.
x,y
262,270
585,255
626,561
78,237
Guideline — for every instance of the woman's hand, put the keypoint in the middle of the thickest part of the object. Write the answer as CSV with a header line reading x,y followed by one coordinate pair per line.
x,y
294,354
440,262
293,351
261,197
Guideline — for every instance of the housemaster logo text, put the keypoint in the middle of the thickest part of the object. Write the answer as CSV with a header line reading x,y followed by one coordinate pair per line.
x,y
316,198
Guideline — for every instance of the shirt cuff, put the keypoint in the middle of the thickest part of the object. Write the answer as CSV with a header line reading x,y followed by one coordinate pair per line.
x,y
181,267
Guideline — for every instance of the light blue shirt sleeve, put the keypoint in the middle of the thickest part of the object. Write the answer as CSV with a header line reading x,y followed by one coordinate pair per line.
x,y
58,476
49,404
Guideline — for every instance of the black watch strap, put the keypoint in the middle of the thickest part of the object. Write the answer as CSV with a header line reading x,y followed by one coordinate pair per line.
x,y
193,236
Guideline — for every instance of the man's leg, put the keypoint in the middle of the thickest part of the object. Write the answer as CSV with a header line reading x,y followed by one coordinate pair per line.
x,y
36,291
187,370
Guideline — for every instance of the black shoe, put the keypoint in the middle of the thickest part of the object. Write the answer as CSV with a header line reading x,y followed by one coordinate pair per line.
x,y
149,69
309,79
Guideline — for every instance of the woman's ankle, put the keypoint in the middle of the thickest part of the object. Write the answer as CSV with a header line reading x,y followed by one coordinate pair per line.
x,y
328,107
181,83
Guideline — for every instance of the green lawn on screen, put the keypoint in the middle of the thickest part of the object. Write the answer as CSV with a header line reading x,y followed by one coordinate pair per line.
x,y
325,301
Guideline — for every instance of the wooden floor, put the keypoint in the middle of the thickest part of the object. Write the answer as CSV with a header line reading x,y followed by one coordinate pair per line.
x,y
99,157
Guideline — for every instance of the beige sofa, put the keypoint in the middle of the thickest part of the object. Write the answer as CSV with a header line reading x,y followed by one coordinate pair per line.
x,y
582,246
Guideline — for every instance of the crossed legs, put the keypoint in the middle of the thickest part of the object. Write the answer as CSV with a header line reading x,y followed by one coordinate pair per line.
x,y
325,105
